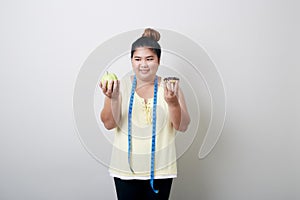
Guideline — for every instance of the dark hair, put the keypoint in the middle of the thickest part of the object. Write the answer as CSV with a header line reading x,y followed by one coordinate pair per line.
x,y
148,39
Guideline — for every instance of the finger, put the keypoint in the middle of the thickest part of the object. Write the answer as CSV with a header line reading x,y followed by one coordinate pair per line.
x,y
118,84
103,86
173,86
171,93
176,87
109,87
115,86
165,88
169,86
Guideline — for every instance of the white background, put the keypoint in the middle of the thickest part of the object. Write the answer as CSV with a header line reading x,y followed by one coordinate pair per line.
x,y
254,44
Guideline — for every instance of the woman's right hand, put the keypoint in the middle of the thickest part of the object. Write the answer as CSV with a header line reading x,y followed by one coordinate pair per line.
x,y
112,89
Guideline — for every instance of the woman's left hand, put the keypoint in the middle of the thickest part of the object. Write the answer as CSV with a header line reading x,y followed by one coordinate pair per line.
x,y
171,92
179,117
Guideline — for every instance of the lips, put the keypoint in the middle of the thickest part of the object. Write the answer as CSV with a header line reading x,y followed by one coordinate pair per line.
x,y
144,71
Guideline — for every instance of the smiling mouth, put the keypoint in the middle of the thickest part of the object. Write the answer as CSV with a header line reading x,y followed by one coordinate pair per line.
x,y
144,70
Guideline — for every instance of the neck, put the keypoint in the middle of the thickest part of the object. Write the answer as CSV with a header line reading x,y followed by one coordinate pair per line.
x,y
145,88
141,83
145,83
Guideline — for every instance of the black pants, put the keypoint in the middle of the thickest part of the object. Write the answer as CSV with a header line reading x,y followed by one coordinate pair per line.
x,y
141,189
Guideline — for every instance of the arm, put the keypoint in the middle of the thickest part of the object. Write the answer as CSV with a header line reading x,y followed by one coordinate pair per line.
x,y
111,112
179,115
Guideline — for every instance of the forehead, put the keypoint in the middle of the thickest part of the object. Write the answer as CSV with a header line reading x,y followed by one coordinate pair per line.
x,y
143,52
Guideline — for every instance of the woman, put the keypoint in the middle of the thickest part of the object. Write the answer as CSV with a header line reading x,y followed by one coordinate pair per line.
x,y
145,112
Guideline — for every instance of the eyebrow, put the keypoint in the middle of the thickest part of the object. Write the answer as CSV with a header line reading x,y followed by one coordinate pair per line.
x,y
140,56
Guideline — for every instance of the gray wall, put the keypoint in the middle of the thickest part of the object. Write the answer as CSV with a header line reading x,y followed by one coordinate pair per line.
x,y
254,44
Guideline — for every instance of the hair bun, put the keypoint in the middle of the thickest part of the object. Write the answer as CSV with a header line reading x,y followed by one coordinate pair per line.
x,y
151,33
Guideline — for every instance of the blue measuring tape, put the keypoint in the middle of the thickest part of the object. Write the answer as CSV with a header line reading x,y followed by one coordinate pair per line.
x,y
153,129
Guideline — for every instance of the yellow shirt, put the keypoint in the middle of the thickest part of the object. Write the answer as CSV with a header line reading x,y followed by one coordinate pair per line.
x,y
165,155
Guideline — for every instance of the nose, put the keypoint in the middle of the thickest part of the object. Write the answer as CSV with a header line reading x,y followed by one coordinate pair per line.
x,y
143,63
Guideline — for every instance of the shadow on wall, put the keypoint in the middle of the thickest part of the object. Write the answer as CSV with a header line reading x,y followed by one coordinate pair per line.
x,y
189,183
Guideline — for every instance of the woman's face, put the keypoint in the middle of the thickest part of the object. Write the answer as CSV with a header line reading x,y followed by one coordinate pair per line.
x,y
145,63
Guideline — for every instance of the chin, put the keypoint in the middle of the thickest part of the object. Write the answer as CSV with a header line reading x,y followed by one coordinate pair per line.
x,y
146,76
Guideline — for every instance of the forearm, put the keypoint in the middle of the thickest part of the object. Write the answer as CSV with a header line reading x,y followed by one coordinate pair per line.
x,y
111,113
178,116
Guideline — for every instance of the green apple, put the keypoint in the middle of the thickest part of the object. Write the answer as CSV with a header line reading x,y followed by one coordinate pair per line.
x,y
108,77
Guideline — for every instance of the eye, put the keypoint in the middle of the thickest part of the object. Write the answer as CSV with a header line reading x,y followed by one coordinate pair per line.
x,y
149,59
137,59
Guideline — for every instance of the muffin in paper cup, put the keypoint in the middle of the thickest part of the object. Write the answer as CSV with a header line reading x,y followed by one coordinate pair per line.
x,y
170,82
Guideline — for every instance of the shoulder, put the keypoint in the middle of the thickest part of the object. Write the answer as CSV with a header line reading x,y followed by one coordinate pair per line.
x,y
125,85
125,81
